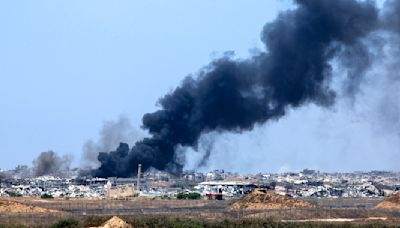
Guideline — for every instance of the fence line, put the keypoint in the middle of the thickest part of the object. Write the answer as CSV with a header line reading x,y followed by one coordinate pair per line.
x,y
188,208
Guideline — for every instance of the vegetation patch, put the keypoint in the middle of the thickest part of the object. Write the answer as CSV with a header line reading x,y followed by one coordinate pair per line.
x,y
188,195
66,223
46,196
14,194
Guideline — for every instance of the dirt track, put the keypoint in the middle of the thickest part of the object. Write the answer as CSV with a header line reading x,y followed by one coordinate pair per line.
x,y
137,205
109,207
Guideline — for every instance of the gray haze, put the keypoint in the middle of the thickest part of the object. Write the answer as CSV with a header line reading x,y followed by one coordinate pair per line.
x,y
360,132
231,95
110,136
50,163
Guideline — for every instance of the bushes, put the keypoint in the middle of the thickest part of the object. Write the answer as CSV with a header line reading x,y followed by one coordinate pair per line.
x,y
181,195
12,226
171,221
184,221
188,195
14,194
66,223
46,196
194,195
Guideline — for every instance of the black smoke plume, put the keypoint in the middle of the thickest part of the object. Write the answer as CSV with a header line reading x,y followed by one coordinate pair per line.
x,y
110,135
235,95
391,15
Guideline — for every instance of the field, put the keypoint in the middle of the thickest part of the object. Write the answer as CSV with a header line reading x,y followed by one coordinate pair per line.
x,y
92,212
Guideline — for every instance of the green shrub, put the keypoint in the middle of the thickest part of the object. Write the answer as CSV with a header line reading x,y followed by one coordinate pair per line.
x,y
194,195
188,195
46,196
14,194
181,195
172,221
12,226
66,223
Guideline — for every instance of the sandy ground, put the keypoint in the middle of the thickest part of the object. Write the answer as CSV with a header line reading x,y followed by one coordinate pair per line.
x,y
15,207
115,222
260,199
392,202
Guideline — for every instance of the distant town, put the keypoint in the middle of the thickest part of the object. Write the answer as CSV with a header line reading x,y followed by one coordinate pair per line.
x,y
218,184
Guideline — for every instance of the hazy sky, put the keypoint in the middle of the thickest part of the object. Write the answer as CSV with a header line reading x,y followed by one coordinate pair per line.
x,y
68,66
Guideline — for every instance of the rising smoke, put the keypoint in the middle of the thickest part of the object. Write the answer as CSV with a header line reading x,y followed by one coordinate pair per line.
x,y
110,136
231,95
50,163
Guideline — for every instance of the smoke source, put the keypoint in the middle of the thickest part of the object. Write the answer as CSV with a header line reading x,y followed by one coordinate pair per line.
x,y
231,95
111,134
50,163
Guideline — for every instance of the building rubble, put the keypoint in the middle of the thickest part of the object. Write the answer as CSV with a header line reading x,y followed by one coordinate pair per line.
x,y
305,184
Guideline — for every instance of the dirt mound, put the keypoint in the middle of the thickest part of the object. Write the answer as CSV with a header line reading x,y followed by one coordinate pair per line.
x,y
392,202
116,222
261,199
11,207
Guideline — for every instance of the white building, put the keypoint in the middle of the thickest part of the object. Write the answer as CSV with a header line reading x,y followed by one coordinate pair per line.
x,y
226,188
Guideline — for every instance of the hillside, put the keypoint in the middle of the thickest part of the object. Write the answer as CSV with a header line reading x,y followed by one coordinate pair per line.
x,y
392,202
10,207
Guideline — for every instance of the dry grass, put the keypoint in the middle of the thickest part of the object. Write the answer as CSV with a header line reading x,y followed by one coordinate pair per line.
x,y
199,213
228,218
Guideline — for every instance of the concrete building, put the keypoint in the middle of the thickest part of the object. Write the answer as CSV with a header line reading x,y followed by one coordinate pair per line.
x,y
225,188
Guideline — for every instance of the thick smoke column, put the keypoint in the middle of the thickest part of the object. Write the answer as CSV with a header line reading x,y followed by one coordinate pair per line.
x,y
391,15
50,163
235,95
110,135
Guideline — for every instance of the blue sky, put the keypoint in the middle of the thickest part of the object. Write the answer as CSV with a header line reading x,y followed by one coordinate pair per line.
x,y
68,66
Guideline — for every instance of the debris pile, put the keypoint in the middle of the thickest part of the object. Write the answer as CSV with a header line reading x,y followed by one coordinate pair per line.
x,y
392,202
116,222
262,199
